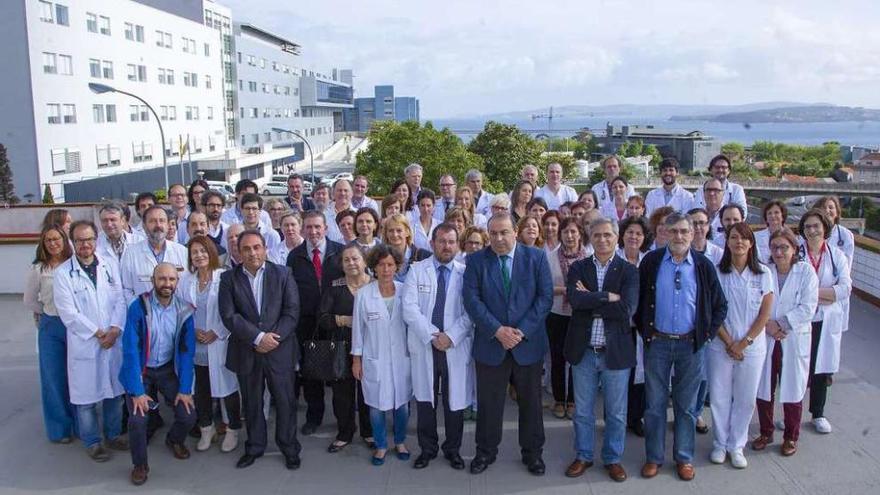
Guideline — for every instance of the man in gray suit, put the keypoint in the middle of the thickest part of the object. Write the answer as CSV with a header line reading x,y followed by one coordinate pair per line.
x,y
259,304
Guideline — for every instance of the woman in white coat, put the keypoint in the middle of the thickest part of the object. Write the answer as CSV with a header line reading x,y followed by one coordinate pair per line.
x,y
426,342
842,238
788,339
830,321
774,213
88,297
736,358
199,286
381,359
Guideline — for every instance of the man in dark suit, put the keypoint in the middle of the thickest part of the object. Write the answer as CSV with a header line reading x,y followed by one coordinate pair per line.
x,y
259,304
314,265
295,199
603,291
508,293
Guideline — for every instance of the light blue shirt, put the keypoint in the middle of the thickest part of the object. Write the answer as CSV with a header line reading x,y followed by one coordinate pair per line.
x,y
163,327
256,281
676,307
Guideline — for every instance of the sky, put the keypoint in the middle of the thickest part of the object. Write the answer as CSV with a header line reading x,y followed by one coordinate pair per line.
x,y
477,57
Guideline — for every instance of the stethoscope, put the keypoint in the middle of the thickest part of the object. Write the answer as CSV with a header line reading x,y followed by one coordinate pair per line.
x,y
802,251
839,237
79,276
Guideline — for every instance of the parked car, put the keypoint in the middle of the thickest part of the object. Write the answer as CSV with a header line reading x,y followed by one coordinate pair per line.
x,y
274,188
223,188
331,179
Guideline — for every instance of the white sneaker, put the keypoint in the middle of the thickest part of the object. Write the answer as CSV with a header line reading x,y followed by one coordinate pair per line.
x,y
822,425
738,460
780,425
230,441
206,438
718,456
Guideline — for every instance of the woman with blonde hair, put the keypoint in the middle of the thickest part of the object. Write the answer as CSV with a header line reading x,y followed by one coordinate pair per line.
x,y
397,233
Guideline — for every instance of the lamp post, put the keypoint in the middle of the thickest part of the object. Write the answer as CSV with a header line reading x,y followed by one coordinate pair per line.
x,y
311,155
103,88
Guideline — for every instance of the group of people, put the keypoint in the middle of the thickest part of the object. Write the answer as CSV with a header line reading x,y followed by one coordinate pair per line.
x,y
451,300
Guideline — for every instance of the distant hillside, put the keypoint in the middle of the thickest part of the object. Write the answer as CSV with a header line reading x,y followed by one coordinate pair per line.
x,y
801,114
636,110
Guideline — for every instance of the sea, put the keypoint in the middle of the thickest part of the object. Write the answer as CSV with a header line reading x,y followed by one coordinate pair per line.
x,y
813,133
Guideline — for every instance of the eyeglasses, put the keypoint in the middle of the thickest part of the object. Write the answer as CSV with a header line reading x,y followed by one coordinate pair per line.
x,y
87,240
714,190
700,224
250,208
677,279
782,248
213,205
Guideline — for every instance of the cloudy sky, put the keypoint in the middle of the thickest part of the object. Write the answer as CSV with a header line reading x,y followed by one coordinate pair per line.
x,y
464,58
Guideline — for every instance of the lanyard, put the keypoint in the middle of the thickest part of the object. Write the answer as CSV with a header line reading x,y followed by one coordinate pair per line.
x,y
816,262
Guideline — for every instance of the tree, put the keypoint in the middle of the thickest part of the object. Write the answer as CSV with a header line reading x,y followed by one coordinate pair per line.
x,y
734,151
569,169
394,145
48,198
7,188
504,150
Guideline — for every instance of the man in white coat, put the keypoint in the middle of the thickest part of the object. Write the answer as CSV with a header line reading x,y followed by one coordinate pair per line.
x,y
555,192
439,339
670,193
140,259
114,237
719,167
88,295
482,199
611,165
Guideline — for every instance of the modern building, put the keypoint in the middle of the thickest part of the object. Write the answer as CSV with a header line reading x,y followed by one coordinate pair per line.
x,y
382,106
693,150
867,169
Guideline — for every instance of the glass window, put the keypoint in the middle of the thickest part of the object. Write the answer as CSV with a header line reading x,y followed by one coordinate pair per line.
x,y
104,24
95,68
61,16
91,22
110,112
145,113
50,63
132,72
172,112
129,31
207,50
46,13
65,65
139,33
107,71
142,73
69,114
98,113
210,112
208,82
170,76
53,111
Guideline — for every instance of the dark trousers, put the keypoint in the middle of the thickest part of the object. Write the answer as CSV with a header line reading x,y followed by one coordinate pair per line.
x,y
348,396
154,421
205,402
491,393
818,382
281,386
791,410
557,328
635,398
427,414
164,380
313,390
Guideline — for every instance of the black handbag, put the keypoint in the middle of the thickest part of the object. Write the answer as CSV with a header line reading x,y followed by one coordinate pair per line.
x,y
326,359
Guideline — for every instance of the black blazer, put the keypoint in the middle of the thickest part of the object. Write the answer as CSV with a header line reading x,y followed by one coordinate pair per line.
x,y
621,278
307,204
300,263
279,314
711,303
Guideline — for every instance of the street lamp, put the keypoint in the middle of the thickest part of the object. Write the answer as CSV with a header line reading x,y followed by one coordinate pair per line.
x,y
311,155
100,89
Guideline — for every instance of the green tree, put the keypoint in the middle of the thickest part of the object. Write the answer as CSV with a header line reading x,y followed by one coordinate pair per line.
x,y
504,150
7,188
395,145
734,151
48,197
569,170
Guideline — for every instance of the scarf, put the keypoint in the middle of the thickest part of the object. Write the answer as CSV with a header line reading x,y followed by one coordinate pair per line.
x,y
565,262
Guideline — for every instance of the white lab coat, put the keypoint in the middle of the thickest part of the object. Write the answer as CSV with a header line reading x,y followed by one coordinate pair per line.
x,y
604,193
483,205
422,239
333,232
419,295
554,200
681,200
843,239
609,210
762,243
138,264
797,302
92,372
833,316
104,249
380,339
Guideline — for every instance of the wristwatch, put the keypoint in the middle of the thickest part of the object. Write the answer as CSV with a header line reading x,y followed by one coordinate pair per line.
x,y
750,340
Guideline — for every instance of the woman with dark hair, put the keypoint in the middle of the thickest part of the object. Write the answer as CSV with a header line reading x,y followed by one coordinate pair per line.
x,y
590,199
774,213
391,205
459,218
401,189
345,223
423,220
58,217
729,214
659,237
835,285
788,334
550,224
736,358
570,250
634,239
335,321
194,194
378,346
53,249
529,232
703,236
616,208
366,226
200,286
522,193
537,207
397,233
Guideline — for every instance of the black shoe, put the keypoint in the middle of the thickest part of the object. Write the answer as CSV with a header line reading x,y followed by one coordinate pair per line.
x,y
334,447
536,466
638,429
479,464
246,460
422,461
292,462
702,429
309,428
455,461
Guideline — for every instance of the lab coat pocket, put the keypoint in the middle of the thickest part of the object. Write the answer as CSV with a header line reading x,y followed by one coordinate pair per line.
x,y
371,370
756,297
804,343
83,350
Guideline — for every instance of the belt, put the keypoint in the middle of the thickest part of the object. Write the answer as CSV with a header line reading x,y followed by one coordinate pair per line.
x,y
596,349
673,336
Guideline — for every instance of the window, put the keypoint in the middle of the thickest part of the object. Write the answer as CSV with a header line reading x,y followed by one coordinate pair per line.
x,y
172,112
54,112
142,152
262,63
98,114
189,45
134,32
163,39
163,112
107,69
254,113
241,112
251,60
104,25
275,66
207,50
69,113
190,79
139,33
267,137
210,113
50,63
207,82
286,90
108,156
110,112
65,65
46,12
192,113
65,160
266,112
255,138
252,85
212,143
91,22
138,113
162,76
243,140
239,57
265,88
95,69
129,31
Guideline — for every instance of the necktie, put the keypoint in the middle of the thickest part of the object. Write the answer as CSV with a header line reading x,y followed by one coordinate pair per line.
x,y
505,273
316,260
445,204
440,300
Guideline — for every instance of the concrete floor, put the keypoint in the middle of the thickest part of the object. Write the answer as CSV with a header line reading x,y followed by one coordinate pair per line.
x,y
845,462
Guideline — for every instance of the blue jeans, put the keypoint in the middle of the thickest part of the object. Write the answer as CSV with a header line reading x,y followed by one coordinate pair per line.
x,y
661,355
380,433
58,412
87,420
587,375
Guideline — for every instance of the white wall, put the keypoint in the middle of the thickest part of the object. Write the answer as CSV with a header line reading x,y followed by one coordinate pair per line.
x,y
866,271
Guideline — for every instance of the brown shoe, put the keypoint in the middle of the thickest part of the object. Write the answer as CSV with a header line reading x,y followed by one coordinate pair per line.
x,y
559,410
139,474
686,471
789,447
569,411
761,442
180,451
616,472
650,469
577,468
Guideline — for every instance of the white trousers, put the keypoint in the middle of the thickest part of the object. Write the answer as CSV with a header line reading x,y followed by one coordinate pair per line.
x,y
733,387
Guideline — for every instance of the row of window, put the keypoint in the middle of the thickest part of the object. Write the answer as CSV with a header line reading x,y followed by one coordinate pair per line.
x,y
69,160
254,112
65,113
267,88
260,62
253,139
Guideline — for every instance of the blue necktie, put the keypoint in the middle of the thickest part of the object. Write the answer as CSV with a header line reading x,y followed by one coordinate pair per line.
x,y
440,301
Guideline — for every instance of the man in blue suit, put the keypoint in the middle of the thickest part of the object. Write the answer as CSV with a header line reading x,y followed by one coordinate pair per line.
x,y
507,293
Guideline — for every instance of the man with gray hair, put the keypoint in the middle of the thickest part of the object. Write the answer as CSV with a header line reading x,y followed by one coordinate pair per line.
x,y
482,199
115,236
413,174
529,173
446,199
140,259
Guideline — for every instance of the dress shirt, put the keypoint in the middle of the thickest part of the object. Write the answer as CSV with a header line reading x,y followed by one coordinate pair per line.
x,y
256,281
676,309
160,256
597,337
163,326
